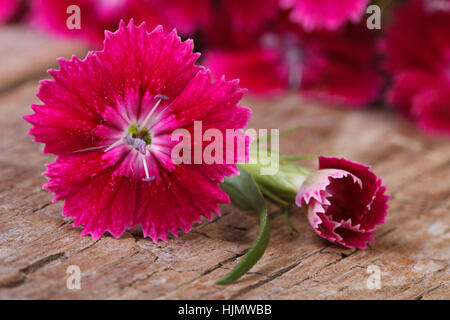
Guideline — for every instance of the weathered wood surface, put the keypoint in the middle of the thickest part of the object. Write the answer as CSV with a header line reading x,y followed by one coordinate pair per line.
x,y
37,244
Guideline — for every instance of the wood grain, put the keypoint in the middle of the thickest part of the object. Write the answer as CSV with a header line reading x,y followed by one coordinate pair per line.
x,y
27,54
37,244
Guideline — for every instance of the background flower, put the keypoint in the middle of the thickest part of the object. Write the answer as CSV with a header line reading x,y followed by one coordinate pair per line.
x,y
96,17
417,48
101,15
325,14
335,67
9,9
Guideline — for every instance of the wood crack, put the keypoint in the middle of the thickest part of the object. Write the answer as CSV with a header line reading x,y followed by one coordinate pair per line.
x,y
273,276
20,277
87,247
13,281
42,262
223,262
45,205
208,271
144,278
423,294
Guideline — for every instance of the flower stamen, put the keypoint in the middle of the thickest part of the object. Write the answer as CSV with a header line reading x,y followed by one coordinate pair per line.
x,y
147,176
89,149
115,144
160,97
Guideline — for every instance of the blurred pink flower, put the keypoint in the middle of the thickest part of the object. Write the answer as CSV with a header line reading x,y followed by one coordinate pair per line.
x,y
187,16
259,69
344,202
341,67
249,15
336,67
8,9
417,48
96,17
431,109
109,120
325,14
100,15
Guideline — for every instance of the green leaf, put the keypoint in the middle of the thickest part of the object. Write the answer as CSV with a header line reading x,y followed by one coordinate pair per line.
x,y
272,196
291,130
298,158
244,192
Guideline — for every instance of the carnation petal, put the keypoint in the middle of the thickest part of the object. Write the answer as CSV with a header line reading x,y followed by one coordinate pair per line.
x,y
369,179
328,14
314,186
112,210
431,109
261,70
175,201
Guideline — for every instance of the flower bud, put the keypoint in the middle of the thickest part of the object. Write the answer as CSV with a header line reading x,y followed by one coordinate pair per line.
x,y
344,202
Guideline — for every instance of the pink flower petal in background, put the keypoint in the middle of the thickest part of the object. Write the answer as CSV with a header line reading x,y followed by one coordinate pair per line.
x,y
325,14
96,17
109,119
187,16
101,15
249,15
405,85
261,68
239,24
8,9
417,48
344,202
340,67
431,109
333,67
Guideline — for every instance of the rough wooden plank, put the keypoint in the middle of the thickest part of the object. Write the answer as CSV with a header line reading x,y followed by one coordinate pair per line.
x,y
412,251
25,53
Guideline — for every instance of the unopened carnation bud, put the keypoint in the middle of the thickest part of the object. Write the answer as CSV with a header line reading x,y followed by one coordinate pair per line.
x,y
344,202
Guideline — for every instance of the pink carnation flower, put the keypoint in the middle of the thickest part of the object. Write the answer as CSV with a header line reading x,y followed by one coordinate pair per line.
x,y
249,15
239,24
417,47
100,15
185,15
109,119
259,69
337,67
431,109
344,202
341,67
325,14
96,17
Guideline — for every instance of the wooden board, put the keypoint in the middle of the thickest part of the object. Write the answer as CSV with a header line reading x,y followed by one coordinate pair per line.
x,y
37,244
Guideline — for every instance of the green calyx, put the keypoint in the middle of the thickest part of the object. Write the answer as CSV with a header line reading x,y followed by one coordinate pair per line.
x,y
281,187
